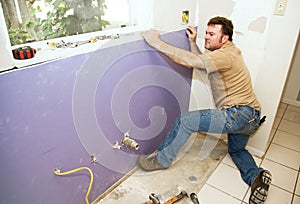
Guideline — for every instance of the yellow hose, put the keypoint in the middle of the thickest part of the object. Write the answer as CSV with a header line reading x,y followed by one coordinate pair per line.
x,y
58,173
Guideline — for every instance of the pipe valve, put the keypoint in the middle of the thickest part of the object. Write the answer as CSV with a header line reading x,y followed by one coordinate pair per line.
x,y
129,142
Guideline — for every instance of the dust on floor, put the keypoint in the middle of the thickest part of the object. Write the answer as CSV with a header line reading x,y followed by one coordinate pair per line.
x,y
193,165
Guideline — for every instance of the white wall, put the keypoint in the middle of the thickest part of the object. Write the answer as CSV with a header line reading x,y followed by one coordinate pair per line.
x,y
6,58
281,38
292,86
167,14
266,40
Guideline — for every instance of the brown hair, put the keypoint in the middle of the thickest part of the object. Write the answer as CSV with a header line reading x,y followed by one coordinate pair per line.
x,y
227,26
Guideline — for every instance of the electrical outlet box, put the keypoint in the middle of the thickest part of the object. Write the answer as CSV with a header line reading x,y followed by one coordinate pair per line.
x,y
185,17
280,7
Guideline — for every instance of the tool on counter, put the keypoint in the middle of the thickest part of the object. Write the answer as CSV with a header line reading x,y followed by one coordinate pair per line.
x,y
63,44
194,198
25,52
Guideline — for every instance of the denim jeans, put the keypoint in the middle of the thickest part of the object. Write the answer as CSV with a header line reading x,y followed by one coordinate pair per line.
x,y
239,122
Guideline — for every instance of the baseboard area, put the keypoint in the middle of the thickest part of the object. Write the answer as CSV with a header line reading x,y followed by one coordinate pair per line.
x,y
291,102
255,151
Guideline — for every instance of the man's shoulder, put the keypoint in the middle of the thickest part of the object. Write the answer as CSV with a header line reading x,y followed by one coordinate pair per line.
x,y
230,48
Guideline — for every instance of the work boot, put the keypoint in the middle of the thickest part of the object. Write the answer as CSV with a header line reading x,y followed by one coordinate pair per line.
x,y
260,187
150,163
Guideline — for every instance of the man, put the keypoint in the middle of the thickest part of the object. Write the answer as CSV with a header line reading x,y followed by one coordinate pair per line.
x,y
237,110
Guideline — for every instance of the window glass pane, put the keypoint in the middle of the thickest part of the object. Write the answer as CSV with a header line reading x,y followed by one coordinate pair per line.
x,y
117,13
35,20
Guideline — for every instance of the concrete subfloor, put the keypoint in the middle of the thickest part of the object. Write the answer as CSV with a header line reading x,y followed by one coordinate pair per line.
x,y
193,165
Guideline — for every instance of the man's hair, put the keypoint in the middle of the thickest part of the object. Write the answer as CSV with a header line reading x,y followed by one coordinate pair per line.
x,y
227,26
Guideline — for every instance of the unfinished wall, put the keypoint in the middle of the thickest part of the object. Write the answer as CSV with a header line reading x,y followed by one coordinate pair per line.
x,y
59,114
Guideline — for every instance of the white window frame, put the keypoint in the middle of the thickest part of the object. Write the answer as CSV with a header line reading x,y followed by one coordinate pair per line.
x,y
141,19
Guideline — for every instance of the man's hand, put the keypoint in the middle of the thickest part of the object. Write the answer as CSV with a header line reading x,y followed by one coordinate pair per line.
x,y
152,37
191,33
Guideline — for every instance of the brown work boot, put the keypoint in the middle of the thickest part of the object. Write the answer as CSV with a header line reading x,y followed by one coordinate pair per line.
x,y
150,163
260,187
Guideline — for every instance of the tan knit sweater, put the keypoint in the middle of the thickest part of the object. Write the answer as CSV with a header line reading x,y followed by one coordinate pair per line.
x,y
229,77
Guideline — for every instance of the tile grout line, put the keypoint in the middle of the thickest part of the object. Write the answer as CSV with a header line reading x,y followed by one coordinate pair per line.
x,y
248,188
288,132
263,158
297,122
269,145
226,193
277,128
215,187
282,118
286,147
295,187
291,168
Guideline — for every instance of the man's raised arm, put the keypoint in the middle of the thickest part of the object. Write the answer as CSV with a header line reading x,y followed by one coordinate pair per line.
x,y
178,55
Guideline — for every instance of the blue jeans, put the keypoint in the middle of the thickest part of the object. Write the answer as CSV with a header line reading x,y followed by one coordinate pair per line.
x,y
239,122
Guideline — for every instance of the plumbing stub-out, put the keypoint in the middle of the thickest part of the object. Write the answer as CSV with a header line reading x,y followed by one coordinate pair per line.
x,y
93,158
129,142
116,145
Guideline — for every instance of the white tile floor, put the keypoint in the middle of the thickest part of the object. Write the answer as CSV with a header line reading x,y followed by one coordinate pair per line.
x,y
224,185
282,159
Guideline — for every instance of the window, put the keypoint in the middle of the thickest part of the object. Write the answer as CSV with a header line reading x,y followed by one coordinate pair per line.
x,y
137,15
36,20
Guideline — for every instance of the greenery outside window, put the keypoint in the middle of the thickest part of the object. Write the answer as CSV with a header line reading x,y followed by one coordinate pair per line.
x,y
38,20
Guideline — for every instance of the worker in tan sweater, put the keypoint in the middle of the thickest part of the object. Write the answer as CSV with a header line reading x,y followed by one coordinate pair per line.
x,y
237,110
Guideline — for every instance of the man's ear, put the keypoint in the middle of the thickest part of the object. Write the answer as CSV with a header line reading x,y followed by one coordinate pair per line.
x,y
225,38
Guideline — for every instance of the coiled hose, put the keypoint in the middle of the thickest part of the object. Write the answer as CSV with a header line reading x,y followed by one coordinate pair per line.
x,y
58,173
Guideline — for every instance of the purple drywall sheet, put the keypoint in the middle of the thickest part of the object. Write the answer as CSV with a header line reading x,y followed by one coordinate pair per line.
x,y
58,114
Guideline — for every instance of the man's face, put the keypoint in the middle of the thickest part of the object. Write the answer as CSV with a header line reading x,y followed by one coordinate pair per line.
x,y
214,37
